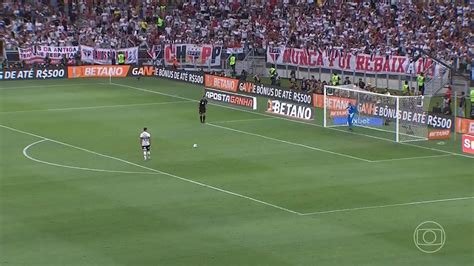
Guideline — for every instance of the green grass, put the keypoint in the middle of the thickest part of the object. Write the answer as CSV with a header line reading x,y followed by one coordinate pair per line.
x,y
243,197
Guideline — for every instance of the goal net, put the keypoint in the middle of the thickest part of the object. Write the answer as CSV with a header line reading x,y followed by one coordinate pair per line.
x,y
397,118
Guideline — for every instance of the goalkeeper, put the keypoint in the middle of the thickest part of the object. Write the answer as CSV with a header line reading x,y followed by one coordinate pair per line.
x,y
351,112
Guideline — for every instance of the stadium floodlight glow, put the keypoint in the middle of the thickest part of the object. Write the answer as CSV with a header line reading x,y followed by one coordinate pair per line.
x,y
398,118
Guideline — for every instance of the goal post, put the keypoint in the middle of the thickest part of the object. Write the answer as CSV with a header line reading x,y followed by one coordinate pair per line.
x,y
397,118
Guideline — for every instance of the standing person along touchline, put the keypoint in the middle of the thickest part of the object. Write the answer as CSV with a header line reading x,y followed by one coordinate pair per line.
x,y
202,109
145,142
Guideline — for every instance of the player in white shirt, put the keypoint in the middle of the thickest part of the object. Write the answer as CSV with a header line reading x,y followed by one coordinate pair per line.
x,y
145,142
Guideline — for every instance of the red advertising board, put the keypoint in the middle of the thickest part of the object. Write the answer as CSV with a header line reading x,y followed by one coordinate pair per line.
x,y
98,71
333,102
439,134
464,125
468,144
221,83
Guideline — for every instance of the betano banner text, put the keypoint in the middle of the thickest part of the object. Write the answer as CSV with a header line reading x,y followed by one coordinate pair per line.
x,y
106,71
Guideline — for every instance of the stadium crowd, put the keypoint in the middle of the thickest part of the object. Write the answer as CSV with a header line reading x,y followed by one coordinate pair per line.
x,y
371,27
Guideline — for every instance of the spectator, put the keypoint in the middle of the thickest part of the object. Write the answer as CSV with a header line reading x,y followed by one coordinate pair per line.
x,y
293,78
347,81
47,61
256,79
462,104
361,84
64,60
304,84
448,92
446,105
243,75
437,108
175,63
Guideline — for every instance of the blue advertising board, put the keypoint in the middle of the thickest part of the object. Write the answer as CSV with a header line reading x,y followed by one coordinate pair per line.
x,y
360,121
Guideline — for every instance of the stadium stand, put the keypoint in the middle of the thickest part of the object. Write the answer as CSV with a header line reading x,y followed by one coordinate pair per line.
x,y
375,27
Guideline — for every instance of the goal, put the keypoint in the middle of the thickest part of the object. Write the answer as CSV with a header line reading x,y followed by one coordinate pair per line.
x,y
397,118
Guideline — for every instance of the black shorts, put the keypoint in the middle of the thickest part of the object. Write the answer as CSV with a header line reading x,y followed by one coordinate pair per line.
x,y
202,111
146,148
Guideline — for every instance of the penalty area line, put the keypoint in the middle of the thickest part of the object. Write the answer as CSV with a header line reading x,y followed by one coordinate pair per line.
x,y
388,205
154,170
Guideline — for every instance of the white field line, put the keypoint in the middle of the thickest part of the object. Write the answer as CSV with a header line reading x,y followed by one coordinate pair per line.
x,y
151,91
93,107
295,121
412,158
244,120
154,170
25,153
393,132
45,86
291,143
388,205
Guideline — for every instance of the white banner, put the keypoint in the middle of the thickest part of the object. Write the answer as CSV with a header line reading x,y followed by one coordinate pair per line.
x,y
103,56
87,54
37,54
57,53
29,55
235,50
190,55
339,60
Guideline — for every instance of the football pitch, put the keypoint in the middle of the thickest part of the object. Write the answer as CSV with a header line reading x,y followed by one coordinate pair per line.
x,y
258,189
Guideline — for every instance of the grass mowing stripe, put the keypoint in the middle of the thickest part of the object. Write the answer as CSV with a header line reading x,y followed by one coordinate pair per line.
x,y
294,121
44,86
244,120
25,153
291,143
230,192
389,205
93,107
154,170
114,106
